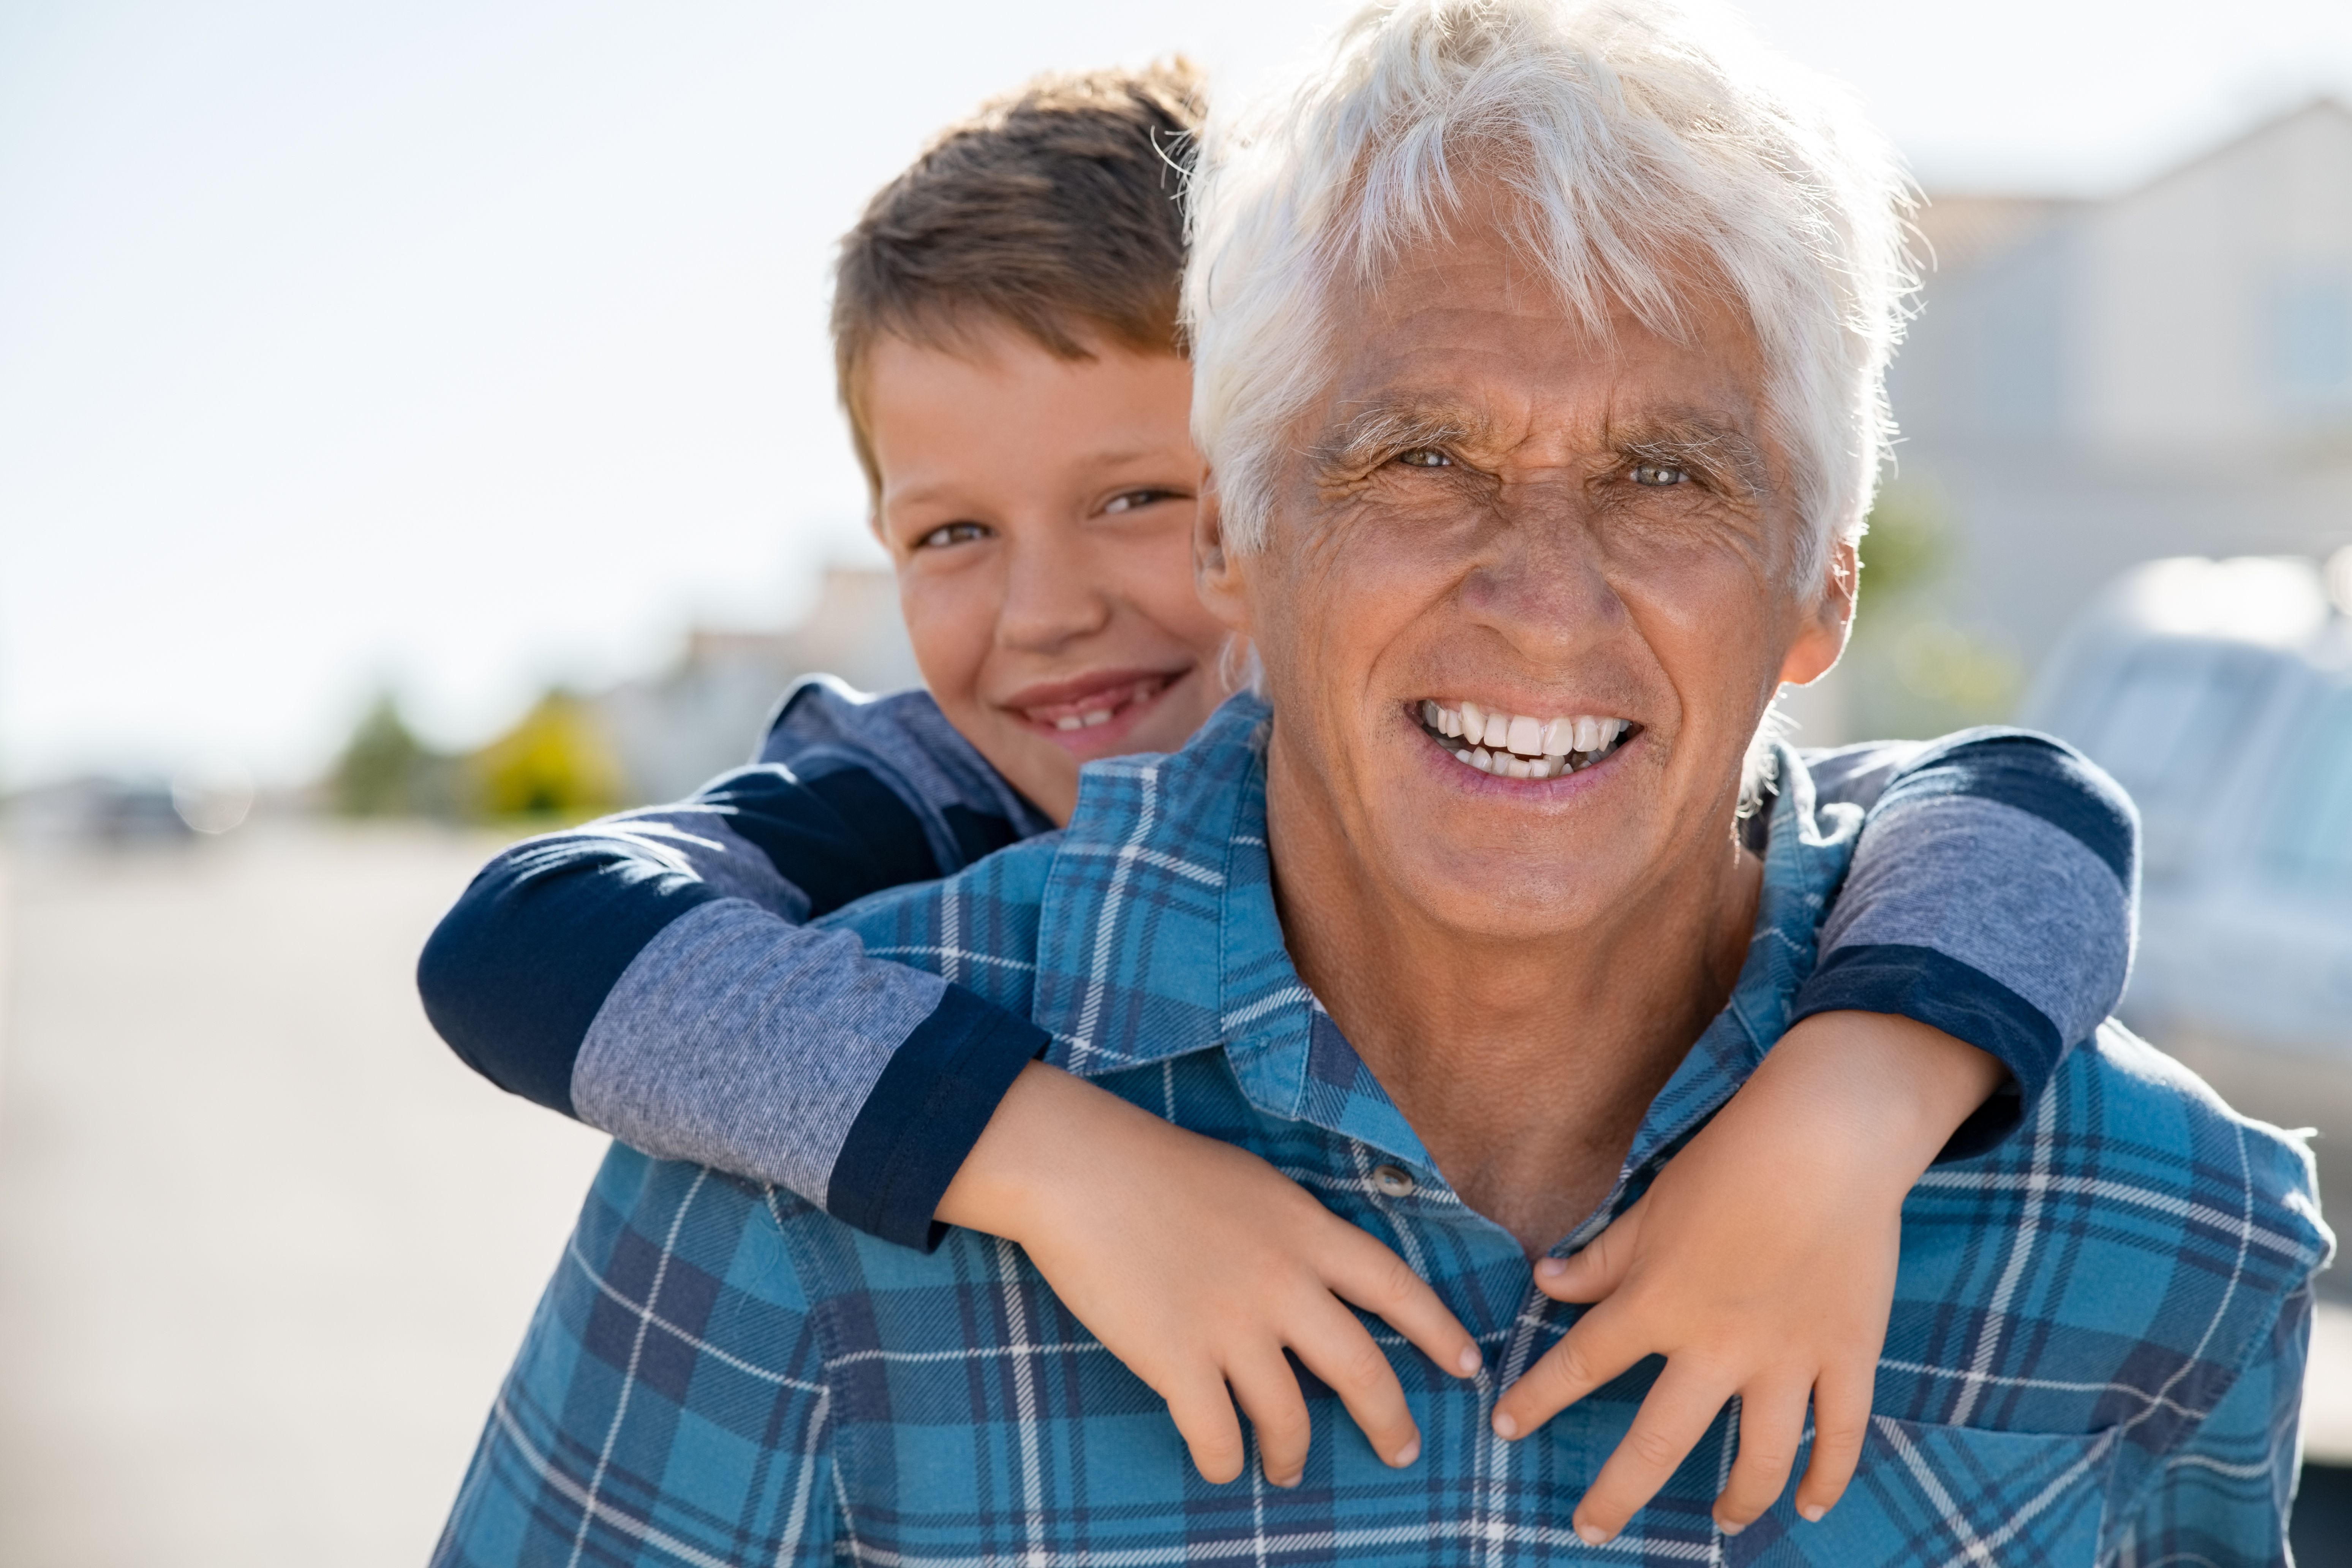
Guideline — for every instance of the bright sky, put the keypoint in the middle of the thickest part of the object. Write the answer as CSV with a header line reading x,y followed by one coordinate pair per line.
x,y
470,345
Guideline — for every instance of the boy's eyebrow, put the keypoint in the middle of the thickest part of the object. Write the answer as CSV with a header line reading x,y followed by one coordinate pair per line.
x,y
1092,463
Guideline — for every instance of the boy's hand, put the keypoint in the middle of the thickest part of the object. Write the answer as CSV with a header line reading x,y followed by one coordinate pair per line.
x,y
1760,1263
1197,1263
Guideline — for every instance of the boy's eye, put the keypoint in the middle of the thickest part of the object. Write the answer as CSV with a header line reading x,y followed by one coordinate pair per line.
x,y
1133,500
949,533
1424,458
1660,474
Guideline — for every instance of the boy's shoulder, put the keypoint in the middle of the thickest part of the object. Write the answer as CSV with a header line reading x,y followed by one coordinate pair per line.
x,y
823,728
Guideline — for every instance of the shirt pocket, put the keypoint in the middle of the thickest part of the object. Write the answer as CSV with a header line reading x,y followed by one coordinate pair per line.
x,y
1931,1495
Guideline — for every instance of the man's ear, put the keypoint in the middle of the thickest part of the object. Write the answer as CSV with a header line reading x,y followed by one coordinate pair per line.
x,y
1217,574
1820,640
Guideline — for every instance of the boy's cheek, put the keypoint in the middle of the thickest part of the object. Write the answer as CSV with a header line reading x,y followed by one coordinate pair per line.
x,y
950,639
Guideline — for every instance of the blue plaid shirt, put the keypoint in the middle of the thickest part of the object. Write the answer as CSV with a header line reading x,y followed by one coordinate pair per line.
x,y
2097,1349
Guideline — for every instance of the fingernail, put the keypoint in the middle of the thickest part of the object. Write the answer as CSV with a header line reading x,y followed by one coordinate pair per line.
x,y
1406,1454
1469,1361
1812,1513
1503,1426
1552,1268
1728,1528
1291,1480
1591,1534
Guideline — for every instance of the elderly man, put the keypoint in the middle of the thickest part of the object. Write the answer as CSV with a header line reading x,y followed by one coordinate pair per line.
x,y
1538,354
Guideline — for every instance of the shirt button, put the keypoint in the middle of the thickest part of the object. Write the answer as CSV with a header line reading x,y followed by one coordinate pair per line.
x,y
1394,1181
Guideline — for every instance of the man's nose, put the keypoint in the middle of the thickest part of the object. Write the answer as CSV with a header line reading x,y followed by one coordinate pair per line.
x,y
1051,597
1543,586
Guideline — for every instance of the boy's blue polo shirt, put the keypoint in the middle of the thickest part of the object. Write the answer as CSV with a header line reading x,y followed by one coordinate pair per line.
x,y
2095,1352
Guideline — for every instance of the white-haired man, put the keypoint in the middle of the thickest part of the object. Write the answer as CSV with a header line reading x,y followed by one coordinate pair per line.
x,y
1539,355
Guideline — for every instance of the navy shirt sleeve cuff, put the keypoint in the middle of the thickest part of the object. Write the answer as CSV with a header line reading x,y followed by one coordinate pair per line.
x,y
926,1112
1966,1003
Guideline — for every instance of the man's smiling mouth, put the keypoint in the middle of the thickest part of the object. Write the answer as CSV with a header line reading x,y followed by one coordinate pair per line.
x,y
1517,745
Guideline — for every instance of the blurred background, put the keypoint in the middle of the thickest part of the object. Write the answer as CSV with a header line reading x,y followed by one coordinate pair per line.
x,y
416,427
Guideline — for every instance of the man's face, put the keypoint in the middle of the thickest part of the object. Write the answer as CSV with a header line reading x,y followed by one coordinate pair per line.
x,y
1493,513
1039,511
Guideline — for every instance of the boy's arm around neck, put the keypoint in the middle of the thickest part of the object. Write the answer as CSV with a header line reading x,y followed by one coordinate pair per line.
x,y
651,975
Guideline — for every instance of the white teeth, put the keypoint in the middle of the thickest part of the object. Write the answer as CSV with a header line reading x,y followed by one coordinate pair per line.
x,y
1098,716
1511,745
1069,721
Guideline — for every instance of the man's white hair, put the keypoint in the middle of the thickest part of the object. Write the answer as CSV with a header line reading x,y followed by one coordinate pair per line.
x,y
1651,150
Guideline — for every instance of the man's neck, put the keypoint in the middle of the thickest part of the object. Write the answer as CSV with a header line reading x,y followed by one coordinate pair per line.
x,y
1525,1066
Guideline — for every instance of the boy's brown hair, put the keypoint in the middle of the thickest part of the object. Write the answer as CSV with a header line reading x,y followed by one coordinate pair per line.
x,y
1056,210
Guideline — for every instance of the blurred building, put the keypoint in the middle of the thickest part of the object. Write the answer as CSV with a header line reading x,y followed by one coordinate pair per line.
x,y
670,731
2163,372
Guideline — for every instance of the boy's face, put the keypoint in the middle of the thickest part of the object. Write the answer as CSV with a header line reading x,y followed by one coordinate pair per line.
x,y
1039,511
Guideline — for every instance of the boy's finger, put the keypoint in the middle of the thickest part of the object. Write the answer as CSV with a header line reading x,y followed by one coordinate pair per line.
x,y
1336,1348
1671,1421
1600,1345
1771,1423
1364,1271
1267,1391
1601,1268
1204,1417
1841,1420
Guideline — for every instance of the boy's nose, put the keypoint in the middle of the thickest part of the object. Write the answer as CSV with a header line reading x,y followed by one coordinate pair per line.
x,y
1050,598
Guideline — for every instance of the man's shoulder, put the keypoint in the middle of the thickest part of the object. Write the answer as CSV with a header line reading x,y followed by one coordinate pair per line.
x,y
978,928
2154,1135
2150,1236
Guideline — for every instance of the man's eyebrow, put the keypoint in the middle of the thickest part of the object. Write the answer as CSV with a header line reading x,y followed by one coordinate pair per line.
x,y
1708,445
1381,427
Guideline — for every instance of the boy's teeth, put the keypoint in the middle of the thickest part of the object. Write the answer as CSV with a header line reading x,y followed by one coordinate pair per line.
x,y
1521,746
1108,705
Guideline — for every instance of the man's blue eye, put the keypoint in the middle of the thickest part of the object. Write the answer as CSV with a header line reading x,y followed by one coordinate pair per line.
x,y
1424,458
1660,474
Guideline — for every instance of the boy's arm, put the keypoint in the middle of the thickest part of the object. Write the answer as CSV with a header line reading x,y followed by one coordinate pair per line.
x,y
650,974
1993,895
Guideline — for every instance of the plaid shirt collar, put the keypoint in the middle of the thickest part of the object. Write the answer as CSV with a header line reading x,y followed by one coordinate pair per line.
x,y
1198,816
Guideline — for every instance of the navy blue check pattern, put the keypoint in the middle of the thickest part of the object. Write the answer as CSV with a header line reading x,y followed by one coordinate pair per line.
x,y
2095,1354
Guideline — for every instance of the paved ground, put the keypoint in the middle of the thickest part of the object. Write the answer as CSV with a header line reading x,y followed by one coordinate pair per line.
x,y
265,1246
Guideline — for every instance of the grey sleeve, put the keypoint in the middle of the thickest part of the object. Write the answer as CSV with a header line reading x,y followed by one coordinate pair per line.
x,y
1993,895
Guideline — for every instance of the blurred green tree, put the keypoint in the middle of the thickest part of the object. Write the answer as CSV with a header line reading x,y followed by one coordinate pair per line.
x,y
385,771
1915,671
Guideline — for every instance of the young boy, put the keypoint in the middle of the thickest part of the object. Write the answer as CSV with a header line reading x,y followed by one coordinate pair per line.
x,y
1008,353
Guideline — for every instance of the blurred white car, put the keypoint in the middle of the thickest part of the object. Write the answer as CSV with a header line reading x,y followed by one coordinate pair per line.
x,y
2220,694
